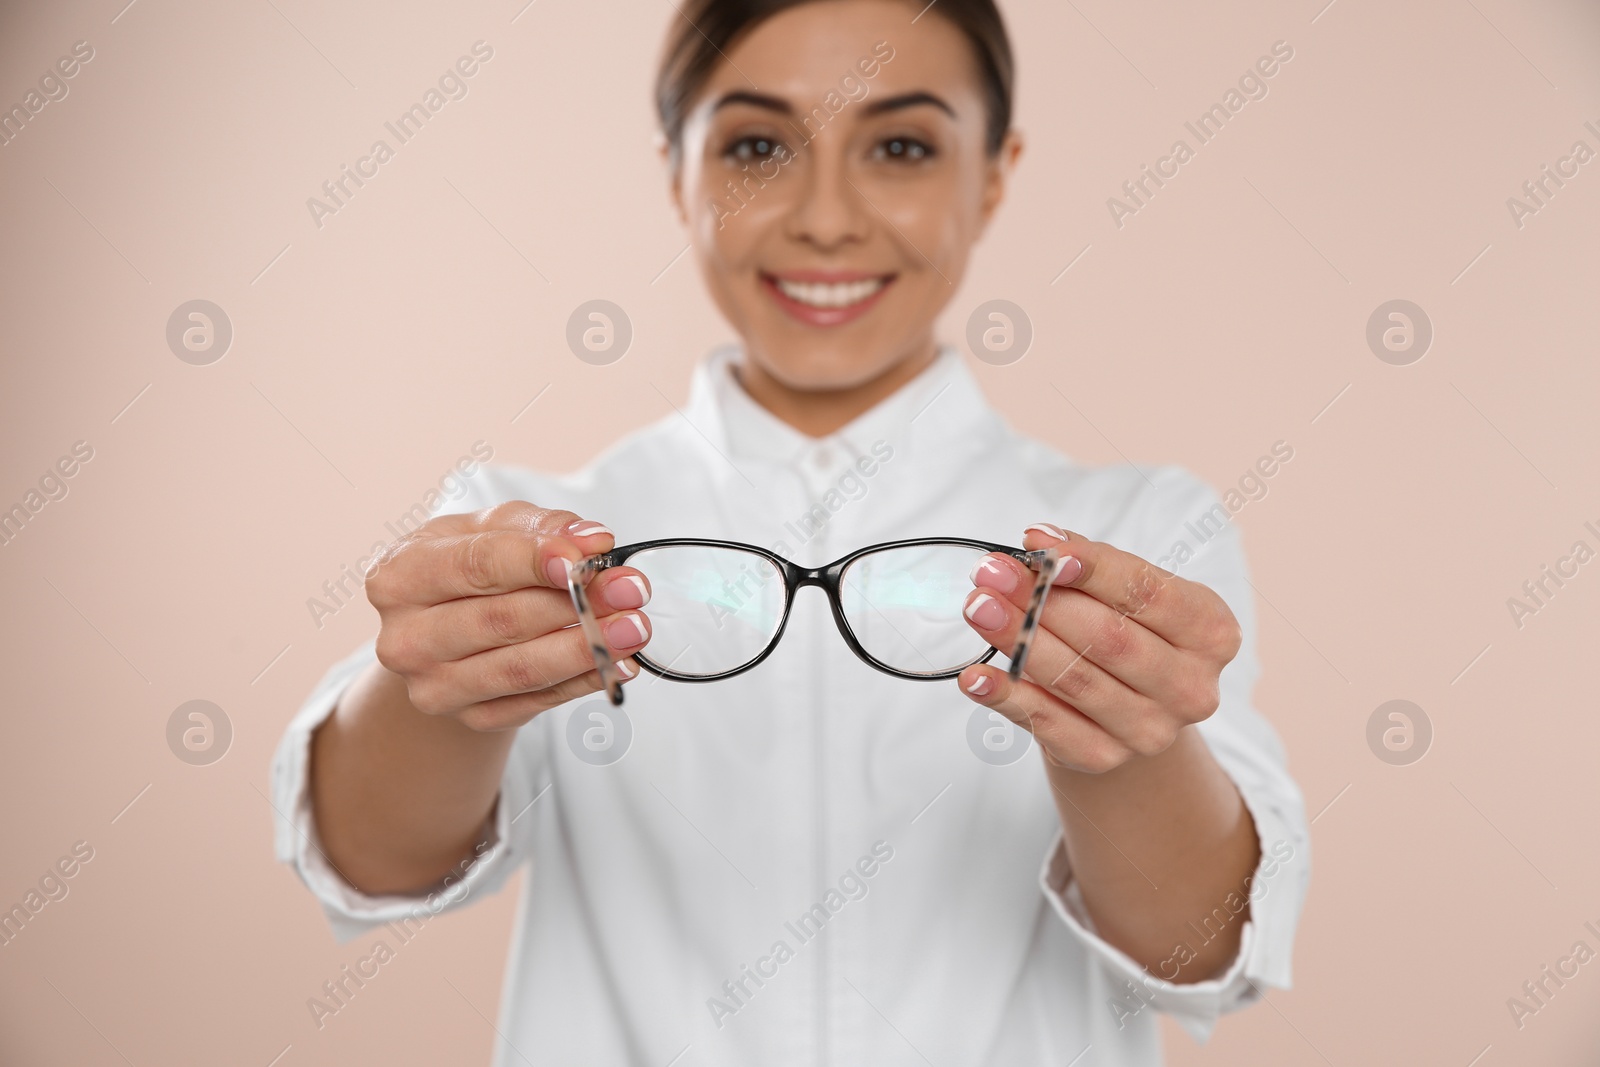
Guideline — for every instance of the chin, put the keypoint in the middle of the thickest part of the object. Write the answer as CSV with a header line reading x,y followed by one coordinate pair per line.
x,y
821,366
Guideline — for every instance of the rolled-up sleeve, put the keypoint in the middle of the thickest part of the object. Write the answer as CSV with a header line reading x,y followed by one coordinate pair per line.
x,y
351,912
1249,750
506,838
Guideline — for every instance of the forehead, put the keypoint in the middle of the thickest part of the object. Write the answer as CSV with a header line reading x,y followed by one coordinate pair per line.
x,y
801,53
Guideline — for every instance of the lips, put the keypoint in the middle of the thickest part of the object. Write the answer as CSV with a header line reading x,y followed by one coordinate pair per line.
x,y
826,298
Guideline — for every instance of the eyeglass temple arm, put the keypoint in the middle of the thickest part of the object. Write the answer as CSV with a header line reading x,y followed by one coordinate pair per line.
x,y
577,587
1045,562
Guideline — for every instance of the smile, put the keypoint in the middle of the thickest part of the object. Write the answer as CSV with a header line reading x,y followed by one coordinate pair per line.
x,y
823,300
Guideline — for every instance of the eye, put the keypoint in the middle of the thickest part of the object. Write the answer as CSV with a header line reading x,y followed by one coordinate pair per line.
x,y
751,149
903,150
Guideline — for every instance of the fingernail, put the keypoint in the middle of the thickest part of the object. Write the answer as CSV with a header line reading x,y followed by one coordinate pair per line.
x,y
990,572
1071,567
1046,528
627,592
626,669
626,631
980,685
556,570
587,528
986,613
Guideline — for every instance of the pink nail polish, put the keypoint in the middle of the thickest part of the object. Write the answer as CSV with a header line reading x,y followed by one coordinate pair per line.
x,y
980,685
626,669
986,613
587,528
556,571
1047,528
992,574
628,591
626,632
1068,570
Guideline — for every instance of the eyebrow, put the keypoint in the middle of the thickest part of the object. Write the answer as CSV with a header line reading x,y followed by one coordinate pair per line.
x,y
876,107
905,100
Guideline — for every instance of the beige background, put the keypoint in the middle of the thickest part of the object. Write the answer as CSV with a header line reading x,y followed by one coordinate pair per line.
x,y
368,355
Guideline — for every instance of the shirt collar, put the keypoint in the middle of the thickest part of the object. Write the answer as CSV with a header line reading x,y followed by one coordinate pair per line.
x,y
938,412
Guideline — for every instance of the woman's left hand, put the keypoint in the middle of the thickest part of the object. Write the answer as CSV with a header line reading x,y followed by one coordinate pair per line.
x,y
1125,655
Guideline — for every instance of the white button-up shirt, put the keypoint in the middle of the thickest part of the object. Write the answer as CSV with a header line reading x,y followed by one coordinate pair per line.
x,y
814,862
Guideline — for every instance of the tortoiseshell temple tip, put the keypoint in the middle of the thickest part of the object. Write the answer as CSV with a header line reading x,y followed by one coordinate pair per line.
x,y
1046,561
577,578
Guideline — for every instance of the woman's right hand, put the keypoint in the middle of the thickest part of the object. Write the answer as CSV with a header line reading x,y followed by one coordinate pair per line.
x,y
476,619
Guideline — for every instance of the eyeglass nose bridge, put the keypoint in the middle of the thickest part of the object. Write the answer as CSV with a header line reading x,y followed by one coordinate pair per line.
x,y
823,577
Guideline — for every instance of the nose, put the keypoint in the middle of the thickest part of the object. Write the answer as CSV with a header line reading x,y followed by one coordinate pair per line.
x,y
830,212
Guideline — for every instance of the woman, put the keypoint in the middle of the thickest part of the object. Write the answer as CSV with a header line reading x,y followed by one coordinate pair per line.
x,y
814,861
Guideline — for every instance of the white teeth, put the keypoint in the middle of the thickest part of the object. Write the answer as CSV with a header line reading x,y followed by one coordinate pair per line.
x,y
836,295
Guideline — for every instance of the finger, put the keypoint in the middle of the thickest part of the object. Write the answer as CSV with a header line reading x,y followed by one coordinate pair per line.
x,y
508,713
1067,736
1114,642
530,518
460,628
1184,613
532,665
434,570
1069,674
510,515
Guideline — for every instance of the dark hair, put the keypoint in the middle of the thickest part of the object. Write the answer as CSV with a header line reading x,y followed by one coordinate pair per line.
x,y
708,28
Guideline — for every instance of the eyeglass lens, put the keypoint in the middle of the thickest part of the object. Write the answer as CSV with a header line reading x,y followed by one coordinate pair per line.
x,y
712,610
904,606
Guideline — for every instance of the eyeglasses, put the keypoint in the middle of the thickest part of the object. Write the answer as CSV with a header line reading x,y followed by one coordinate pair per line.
x,y
718,608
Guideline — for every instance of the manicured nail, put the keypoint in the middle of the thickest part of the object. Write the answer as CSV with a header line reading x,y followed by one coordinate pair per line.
x,y
626,669
626,631
1046,528
587,528
980,685
1071,567
556,571
993,574
627,592
986,613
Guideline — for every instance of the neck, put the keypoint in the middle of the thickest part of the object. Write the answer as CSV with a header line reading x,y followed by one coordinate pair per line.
x,y
819,412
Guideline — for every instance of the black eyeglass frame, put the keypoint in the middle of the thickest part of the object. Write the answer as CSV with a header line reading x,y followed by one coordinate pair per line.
x,y
829,578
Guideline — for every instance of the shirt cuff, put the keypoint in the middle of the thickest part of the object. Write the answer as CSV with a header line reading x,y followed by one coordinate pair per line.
x,y
351,912
1275,893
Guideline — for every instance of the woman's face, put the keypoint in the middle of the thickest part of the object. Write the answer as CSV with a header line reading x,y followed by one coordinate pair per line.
x,y
834,178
